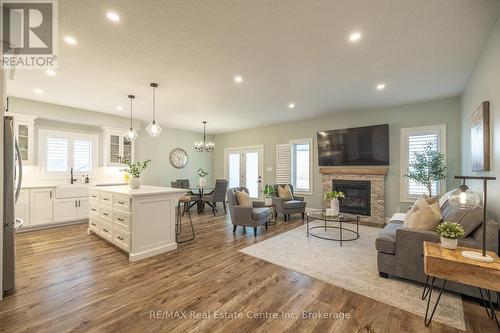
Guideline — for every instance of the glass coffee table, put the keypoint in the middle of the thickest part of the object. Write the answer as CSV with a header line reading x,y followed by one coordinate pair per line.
x,y
333,222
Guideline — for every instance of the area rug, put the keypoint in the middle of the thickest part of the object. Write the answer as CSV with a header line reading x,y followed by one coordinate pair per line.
x,y
353,267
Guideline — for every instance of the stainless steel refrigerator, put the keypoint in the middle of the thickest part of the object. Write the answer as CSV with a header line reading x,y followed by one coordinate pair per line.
x,y
13,170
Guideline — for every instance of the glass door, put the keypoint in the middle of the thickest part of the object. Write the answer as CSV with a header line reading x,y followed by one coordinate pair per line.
x,y
244,168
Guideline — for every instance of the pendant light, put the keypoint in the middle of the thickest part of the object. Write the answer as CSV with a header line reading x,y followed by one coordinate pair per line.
x,y
154,128
204,146
131,134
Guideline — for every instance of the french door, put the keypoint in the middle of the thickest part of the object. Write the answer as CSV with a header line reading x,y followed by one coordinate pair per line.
x,y
243,167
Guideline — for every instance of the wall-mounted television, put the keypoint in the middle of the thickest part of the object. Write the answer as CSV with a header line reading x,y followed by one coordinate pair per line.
x,y
354,146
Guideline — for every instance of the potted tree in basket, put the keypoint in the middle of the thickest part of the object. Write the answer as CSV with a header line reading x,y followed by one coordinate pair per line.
x,y
135,170
426,168
202,181
449,233
334,197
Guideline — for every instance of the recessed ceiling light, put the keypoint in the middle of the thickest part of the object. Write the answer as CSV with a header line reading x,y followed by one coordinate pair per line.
x,y
70,40
38,91
291,105
119,107
381,86
238,79
112,16
355,36
50,72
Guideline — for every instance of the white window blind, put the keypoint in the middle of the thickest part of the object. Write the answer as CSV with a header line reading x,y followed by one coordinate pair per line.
x,y
283,164
82,155
415,140
57,154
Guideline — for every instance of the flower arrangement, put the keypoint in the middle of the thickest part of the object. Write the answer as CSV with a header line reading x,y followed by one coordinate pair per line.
x,y
202,173
135,169
450,230
329,195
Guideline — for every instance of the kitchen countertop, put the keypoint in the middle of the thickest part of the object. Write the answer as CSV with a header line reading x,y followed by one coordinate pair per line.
x,y
142,191
31,186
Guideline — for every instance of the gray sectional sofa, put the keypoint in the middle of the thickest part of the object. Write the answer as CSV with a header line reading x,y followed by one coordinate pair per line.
x,y
400,250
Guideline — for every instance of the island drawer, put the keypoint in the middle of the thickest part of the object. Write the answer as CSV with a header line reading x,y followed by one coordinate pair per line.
x,y
121,239
106,231
121,221
121,202
94,225
93,195
106,199
107,214
94,210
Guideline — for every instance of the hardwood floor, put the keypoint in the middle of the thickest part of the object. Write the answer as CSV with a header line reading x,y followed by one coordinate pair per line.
x,y
70,281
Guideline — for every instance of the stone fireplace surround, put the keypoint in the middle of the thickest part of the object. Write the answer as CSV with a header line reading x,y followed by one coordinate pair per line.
x,y
376,176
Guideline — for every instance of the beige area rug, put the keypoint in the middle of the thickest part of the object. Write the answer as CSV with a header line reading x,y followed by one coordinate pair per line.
x,y
353,267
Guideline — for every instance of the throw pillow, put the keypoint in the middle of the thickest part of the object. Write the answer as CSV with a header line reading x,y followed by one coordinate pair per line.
x,y
469,219
425,218
243,199
285,193
421,202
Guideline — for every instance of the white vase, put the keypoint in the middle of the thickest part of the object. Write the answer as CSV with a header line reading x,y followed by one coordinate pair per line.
x,y
202,182
268,201
135,182
448,243
334,206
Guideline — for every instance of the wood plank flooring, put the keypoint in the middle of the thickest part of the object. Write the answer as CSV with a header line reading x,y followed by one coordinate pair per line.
x,y
70,281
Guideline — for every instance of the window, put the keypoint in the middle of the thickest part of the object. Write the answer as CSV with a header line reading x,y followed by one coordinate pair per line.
x,y
415,140
294,163
61,151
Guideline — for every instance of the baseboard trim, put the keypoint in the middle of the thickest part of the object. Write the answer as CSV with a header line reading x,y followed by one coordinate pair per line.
x,y
49,226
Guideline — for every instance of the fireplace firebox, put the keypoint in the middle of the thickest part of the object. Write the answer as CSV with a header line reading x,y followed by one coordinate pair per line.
x,y
357,196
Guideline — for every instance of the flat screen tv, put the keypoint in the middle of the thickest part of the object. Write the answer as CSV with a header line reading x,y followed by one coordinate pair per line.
x,y
354,146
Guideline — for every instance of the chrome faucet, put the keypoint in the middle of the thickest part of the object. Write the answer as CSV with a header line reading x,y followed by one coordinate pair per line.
x,y
72,180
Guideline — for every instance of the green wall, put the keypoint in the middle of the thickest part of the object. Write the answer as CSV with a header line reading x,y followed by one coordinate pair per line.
x,y
484,85
444,111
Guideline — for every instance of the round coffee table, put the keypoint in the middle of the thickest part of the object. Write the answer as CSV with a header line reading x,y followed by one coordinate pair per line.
x,y
333,222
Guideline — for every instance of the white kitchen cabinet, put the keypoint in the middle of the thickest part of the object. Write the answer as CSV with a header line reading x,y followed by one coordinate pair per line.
x,y
73,209
116,146
41,206
83,208
24,130
22,208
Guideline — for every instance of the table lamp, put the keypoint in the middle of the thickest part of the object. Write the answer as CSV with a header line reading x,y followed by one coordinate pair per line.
x,y
464,198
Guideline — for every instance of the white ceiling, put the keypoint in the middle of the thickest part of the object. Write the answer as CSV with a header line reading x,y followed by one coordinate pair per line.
x,y
286,50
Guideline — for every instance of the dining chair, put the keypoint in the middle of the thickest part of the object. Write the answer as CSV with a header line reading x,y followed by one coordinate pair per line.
x,y
217,195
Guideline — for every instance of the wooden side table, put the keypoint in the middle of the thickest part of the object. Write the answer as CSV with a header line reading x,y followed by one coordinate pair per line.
x,y
450,265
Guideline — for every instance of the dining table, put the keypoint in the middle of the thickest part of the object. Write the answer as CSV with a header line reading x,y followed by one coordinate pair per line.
x,y
197,199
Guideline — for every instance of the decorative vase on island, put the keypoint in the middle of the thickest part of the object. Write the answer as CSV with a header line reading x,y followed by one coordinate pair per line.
x,y
202,182
334,207
449,243
135,182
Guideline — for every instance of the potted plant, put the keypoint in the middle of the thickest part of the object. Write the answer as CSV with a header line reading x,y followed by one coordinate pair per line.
x,y
334,197
268,193
135,170
202,181
450,233
427,168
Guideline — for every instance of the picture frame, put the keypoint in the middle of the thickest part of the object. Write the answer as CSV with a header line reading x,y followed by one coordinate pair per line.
x,y
480,138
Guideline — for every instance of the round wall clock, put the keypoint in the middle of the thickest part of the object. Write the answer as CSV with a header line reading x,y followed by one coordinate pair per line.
x,y
178,158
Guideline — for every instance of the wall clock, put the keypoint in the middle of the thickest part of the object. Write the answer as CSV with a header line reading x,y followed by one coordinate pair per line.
x,y
178,158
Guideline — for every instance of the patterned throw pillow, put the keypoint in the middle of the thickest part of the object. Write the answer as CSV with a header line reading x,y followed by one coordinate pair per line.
x,y
285,193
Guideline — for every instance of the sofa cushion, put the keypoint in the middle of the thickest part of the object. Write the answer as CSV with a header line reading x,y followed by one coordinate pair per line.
x,y
260,213
386,238
285,192
294,204
469,219
425,218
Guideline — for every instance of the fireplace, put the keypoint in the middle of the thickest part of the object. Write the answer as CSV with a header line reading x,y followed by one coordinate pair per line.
x,y
357,196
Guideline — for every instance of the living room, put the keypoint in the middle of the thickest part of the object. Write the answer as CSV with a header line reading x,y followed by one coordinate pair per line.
x,y
263,166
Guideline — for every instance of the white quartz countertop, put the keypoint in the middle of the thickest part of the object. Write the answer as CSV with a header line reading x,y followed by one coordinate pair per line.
x,y
142,191
29,186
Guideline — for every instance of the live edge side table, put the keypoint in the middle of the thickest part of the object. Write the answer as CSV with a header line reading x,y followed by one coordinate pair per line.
x,y
450,265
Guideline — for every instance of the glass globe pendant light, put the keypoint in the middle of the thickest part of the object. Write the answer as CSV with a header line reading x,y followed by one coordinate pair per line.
x,y
131,134
154,128
464,198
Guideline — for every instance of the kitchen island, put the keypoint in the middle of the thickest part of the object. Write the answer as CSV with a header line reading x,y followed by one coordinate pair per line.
x,y
139,221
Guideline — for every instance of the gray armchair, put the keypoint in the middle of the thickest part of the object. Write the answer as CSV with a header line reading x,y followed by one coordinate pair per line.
x,y
287,207
246,216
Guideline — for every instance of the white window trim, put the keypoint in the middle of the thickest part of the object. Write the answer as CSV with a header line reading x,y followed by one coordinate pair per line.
x,y
42,135
311,166
405,133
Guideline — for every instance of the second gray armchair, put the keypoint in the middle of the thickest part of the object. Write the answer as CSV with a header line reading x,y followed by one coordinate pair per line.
x,y
286,207
246,216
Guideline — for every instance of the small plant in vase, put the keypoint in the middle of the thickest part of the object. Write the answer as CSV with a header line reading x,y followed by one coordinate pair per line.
x,y
334,197
135,170
202,181
268,193
449,233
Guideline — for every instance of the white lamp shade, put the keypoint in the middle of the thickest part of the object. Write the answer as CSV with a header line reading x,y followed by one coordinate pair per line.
x,y
153,129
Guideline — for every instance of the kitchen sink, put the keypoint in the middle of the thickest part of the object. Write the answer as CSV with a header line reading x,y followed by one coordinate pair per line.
x,y
72,191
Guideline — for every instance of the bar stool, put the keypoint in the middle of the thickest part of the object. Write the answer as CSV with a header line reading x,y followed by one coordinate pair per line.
x,y
180,212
